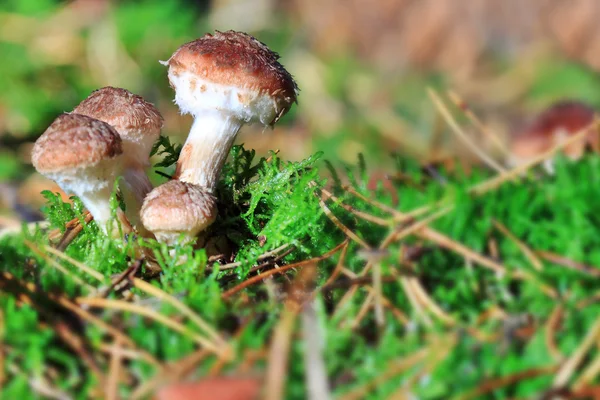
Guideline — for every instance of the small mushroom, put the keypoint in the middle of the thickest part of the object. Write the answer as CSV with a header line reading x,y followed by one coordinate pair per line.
x,y
552,127
178,209
139,124
82,155
224,81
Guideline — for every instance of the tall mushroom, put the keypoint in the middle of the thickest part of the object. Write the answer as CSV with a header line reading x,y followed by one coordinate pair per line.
x,y
178,209
139,124
224,81
82,155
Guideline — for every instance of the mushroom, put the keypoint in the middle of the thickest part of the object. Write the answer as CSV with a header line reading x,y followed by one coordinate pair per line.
x,y
224,81
82,155
178,209
552,127
139,124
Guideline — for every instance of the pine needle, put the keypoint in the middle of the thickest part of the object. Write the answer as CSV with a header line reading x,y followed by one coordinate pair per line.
x,y
460,133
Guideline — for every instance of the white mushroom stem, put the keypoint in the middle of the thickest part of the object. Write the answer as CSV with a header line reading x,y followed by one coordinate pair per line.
x,y
135,186
98,204
207,147
93,185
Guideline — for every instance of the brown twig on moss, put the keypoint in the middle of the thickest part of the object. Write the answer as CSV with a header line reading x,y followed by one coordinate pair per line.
x,y
347,231
568,368
171,373
73,228
552,325
280,343
529,254
258,278
60,319
568,263
262,257
57,265
443,110
464,107
153,315
490,385
395,368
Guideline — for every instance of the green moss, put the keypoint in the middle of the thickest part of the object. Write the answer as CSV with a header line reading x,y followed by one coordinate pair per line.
x,y
265,203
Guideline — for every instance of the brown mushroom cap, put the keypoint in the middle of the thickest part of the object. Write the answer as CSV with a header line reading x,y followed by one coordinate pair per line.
x,y
75,141
239,60
548,128
126,111
178,207
569,115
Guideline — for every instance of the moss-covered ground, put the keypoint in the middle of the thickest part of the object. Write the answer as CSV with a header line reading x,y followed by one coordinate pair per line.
x,y
413,284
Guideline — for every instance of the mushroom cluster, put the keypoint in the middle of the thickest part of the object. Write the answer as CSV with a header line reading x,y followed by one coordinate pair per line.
x,y
224,80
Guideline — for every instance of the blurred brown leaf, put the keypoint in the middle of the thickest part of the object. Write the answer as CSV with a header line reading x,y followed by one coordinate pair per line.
x,y
222,388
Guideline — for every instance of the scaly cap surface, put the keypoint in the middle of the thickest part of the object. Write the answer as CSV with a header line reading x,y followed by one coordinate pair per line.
x,y
123,110
236,66
75,141
178,207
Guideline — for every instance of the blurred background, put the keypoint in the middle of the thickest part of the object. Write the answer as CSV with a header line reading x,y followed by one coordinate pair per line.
x,y
363,67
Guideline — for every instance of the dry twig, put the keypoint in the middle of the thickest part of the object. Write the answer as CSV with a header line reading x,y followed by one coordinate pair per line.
x,y
260,277
437,101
